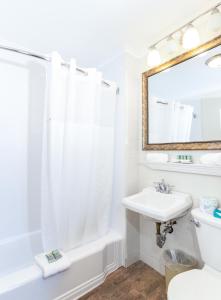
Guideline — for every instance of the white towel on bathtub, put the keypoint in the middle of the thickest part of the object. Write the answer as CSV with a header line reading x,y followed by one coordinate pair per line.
x,y
49,269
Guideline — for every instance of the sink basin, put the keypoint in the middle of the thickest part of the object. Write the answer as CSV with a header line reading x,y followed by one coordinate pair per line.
x,y
158,206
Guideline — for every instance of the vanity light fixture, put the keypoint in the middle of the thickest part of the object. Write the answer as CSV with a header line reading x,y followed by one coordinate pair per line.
x,y
214,23
172,45
153,58
190,38
214,61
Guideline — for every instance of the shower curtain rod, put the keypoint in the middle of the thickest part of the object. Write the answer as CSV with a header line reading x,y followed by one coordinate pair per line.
x,y
47,58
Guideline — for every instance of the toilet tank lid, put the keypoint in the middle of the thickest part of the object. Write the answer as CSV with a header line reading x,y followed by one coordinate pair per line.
x,y
205,218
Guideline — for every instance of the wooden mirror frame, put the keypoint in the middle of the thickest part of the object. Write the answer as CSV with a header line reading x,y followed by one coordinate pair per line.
x,y
208,145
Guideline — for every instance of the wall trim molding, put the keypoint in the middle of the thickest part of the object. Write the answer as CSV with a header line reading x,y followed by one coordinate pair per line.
x,y
95,281
89,285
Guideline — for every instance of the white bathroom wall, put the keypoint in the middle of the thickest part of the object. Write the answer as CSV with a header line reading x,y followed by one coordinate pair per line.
x,y
138,176
123,70
131,155
211,117
140,232
184,236
21,100
14,117
22,95
116,73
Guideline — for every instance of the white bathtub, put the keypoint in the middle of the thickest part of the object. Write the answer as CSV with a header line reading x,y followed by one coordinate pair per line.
x,y
17,252
90,265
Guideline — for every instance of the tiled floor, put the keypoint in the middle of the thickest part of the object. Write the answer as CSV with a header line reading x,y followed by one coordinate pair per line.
x,y
139,281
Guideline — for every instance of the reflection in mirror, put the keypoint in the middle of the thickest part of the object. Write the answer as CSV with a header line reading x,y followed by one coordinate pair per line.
x,y
184,101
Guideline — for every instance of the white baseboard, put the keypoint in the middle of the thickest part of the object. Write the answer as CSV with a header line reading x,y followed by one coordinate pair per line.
x,y
98,278
89,285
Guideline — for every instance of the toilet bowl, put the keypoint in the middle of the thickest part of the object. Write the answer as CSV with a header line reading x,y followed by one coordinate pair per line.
x,y
202,284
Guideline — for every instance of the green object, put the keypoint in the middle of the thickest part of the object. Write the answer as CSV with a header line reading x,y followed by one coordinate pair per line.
x,y
53,256
50,257
57,255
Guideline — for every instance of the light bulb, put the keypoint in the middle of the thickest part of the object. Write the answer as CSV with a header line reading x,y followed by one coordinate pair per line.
x,y
214,61
190,37
171,45
214,22
153,58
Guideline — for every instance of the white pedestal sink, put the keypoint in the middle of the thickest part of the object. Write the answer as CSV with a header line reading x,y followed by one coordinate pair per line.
x,y
158,206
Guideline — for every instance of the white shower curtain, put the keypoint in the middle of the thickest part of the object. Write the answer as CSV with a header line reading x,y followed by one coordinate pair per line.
x,y
160,112
181,122
172,121
78,157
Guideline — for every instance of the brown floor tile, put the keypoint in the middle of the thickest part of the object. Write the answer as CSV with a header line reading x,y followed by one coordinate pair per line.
x,y
137,282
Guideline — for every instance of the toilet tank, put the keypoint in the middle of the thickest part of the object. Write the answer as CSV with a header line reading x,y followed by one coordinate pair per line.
x,y
209,238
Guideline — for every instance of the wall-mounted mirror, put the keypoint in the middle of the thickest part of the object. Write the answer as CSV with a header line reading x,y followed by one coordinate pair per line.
x,y
182,101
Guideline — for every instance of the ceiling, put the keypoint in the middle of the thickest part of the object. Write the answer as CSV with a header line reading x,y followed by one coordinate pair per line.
x,y
93,31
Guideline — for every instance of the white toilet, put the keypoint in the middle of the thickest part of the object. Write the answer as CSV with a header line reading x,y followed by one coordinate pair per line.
x,y
202,284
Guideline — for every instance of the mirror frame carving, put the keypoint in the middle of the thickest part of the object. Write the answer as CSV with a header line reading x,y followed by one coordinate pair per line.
x,y
208,145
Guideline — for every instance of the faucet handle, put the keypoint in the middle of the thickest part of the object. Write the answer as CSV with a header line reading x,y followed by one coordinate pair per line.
x,y
163,187
195,222
169,188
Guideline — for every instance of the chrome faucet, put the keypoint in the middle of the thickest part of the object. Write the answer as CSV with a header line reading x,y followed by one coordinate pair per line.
x,y
163,187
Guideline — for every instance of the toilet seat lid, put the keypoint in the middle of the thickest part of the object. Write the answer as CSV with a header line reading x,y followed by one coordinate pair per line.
x,y
195,285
